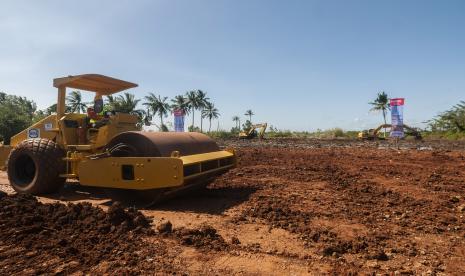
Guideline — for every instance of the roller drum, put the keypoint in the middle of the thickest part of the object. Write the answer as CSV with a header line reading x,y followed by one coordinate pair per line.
x,y
160,144
157,144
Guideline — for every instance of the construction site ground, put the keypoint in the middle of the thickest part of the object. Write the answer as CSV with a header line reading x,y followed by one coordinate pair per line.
x,y
291,207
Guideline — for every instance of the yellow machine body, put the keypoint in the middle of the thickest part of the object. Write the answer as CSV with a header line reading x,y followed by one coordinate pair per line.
x,y
142,173
372,134
163,160
251,132
4,153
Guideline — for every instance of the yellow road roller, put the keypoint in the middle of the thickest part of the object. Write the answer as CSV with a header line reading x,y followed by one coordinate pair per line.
x,y
106,150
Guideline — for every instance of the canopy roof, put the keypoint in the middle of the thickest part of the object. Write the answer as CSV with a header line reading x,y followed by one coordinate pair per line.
x,y
93,82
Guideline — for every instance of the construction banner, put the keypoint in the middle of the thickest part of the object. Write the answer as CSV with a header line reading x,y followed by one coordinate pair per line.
x,y
397,117
178,120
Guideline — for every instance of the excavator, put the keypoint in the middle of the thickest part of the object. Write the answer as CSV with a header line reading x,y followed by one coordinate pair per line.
x,y
373,134
108,151
251,133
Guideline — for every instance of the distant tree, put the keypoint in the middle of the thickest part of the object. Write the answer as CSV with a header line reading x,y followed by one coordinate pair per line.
x,y
250,114
147,119
111,102
180,103
381,103
210,112
16,114
53,109
203,102
247,125
237,120
126,103
75,103
194,103
158,105
450,120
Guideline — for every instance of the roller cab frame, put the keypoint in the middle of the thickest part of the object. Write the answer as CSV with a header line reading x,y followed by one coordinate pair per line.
x,y
84,153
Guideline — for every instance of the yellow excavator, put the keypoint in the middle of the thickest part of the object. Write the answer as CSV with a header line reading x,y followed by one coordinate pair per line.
x,y
107,150
251,133
373,134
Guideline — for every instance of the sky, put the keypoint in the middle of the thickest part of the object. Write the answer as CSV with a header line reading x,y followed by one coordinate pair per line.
x,y
299,65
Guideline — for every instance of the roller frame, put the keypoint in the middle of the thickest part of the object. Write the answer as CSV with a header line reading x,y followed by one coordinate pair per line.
x,y
150,172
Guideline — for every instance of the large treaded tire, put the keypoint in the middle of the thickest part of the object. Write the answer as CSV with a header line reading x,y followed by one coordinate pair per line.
x,y
35,165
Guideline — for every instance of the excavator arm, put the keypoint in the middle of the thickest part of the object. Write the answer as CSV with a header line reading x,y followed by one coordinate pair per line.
x,y
411,131
251,133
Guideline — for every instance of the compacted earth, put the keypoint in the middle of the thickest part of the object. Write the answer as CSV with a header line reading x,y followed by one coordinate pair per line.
x,y
290,207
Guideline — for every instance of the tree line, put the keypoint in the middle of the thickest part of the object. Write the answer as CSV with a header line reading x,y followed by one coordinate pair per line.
x,y
18,113
155,106
452,120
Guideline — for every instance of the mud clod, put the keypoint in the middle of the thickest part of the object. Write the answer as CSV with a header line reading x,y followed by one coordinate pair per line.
x,y
165,227
205,238
235,240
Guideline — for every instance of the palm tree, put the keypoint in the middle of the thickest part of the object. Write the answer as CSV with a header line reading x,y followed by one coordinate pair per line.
x,y
147,118
126,103
158,105
193,102
237,120
250,114
203,101
75,102
180,103
381,103
112,102
210,112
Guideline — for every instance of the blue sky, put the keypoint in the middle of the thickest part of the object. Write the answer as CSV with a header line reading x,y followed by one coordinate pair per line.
x,y
298,65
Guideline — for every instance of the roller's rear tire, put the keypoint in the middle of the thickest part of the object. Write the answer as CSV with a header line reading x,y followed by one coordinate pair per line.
x,y
35,165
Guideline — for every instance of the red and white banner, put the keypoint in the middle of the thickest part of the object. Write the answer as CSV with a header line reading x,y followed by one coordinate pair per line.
x,y
397,102
397,117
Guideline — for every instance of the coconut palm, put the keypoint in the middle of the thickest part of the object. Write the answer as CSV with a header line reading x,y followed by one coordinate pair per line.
x,y
194,103
250,114
158,105
381,103
147,118
203,100
237,120
111,101
126,103
180,103
53,109
210,112
75,102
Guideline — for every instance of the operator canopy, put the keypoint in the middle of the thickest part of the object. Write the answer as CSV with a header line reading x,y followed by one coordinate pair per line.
x,y
100,84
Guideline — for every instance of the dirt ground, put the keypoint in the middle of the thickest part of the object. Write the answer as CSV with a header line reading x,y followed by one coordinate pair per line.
x,y
292,207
